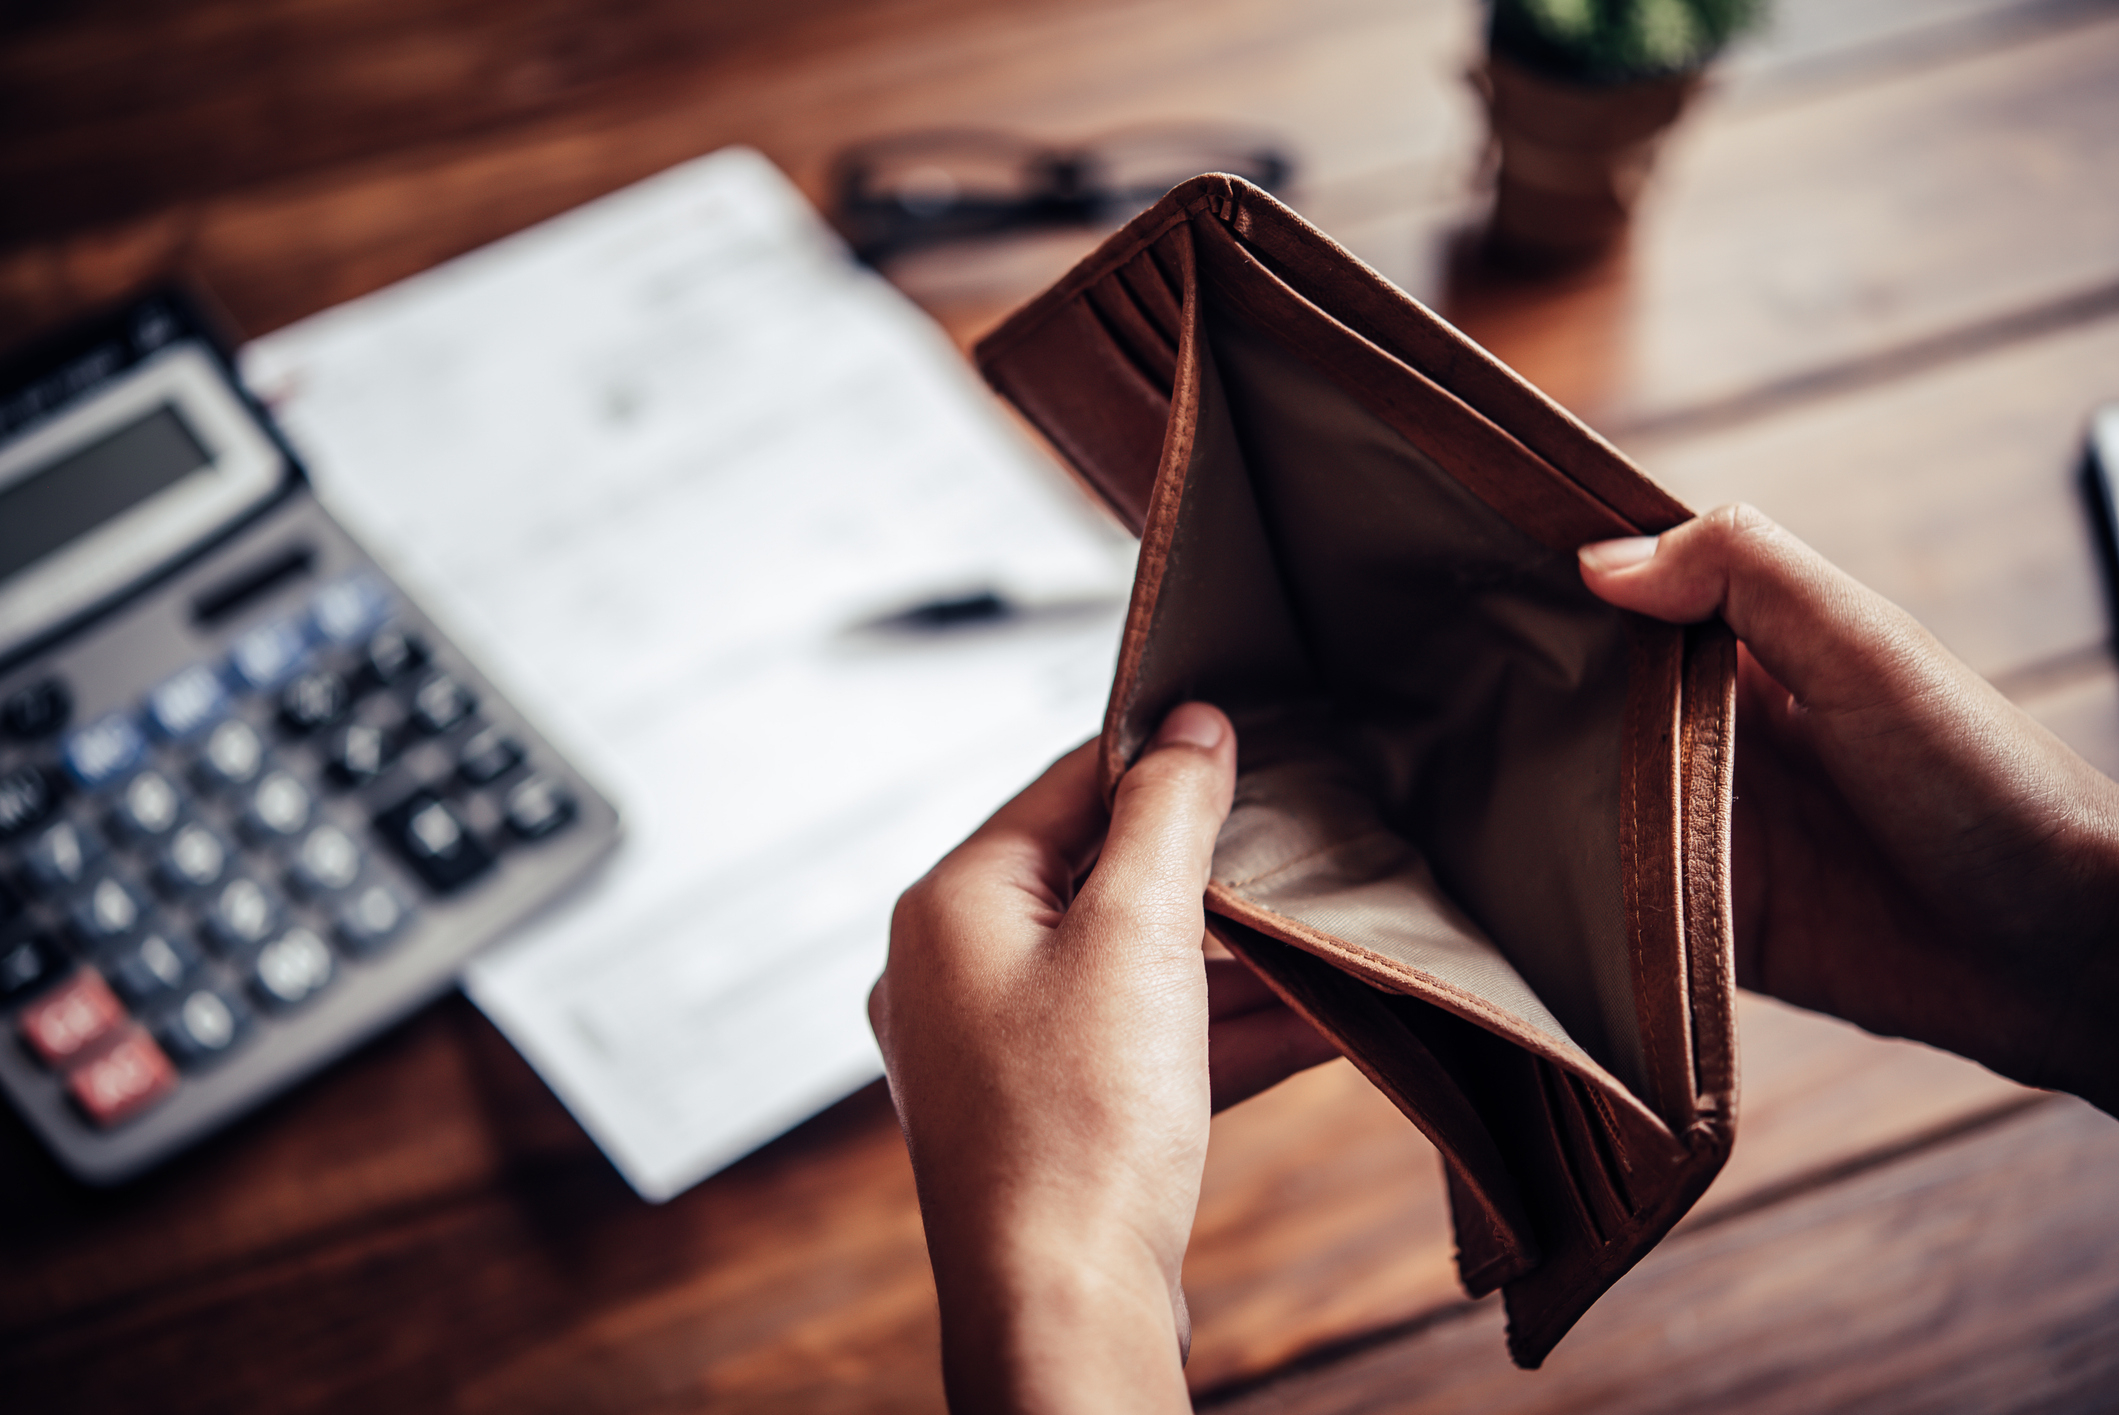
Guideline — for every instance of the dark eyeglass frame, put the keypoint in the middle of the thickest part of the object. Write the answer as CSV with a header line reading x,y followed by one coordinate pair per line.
x,y
1060,185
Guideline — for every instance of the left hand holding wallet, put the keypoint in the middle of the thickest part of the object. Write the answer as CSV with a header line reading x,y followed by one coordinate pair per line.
x,y
1047,1027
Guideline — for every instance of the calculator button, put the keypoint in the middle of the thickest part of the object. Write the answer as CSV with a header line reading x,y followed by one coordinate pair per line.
x,y
205,1026
194,859
28,964
103,749
37,711
440,704
328,862
434,841
392,654
71,1018
187,703
107,911
28,795
278,809
149,967
372,918
292,968
234,755
123,1081
316,699
359,753
59,858
483,817
537,807
267,655
488,757
148,807
241,916
346,609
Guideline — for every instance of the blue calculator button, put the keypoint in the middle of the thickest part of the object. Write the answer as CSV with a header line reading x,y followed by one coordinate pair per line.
x,y
269,654
59,859
104,748
28,963
28,795
346,609
187,703
38,710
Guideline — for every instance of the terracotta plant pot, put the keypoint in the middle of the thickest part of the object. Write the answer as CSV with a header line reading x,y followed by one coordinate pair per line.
x,y
1573,158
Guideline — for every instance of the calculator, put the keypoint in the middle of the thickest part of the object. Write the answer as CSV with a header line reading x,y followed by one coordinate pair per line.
x,y
255,804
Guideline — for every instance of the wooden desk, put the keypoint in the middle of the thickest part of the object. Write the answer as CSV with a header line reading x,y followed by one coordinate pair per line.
x,y
1876,291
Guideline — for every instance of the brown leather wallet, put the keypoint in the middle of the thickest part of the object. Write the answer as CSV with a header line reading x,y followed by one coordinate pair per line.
x,y
1481,830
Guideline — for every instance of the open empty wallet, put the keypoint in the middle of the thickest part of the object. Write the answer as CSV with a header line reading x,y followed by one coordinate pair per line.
x,y
1481,827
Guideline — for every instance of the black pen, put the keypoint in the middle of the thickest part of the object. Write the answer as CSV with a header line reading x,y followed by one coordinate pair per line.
x,y
977,608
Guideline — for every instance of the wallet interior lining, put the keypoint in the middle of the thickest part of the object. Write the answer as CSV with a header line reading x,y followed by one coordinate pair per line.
x,y
1428,702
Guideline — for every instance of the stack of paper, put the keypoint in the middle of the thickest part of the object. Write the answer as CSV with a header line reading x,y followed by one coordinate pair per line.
x,y
651,462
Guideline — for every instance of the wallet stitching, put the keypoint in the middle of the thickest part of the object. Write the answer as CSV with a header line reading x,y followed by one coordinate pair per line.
x,y
1644,756
1714,718
1159,526
1465,1003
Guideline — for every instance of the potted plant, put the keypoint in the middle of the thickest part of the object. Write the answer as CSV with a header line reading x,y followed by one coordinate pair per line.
x,y
1580,93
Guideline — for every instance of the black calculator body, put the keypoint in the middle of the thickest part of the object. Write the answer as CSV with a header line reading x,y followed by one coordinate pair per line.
x,y
254,804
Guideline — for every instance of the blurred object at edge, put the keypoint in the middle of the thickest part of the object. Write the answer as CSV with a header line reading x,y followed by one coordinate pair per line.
x,y
1579,95
920,189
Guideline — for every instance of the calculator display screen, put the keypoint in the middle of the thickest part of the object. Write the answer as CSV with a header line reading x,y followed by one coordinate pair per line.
x,y
60,502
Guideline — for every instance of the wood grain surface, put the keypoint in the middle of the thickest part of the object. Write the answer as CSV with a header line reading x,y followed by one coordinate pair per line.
x,y
1973,1275
1875,290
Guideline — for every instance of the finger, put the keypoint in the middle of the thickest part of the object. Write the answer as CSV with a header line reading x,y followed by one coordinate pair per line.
x,y
1160,846
1042,838
1260,1049
1828,638
879,1014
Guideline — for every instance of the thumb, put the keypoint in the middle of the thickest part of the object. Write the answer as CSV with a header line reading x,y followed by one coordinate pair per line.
x,y
1830,640
1168,811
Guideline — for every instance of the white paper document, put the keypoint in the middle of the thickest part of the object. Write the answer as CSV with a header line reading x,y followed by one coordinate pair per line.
x,y
654,462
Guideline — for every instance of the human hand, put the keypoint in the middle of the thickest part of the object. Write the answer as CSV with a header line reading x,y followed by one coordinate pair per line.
x,y
1912,852
1049,1050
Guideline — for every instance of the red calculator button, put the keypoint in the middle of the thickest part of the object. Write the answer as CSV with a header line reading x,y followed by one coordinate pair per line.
x,y
66,1022
123,1081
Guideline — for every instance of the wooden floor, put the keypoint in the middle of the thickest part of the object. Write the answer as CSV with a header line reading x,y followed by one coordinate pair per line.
x,y
1875,291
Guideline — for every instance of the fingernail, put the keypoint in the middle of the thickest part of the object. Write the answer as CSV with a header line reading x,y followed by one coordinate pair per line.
x,y
1191,725
1621,554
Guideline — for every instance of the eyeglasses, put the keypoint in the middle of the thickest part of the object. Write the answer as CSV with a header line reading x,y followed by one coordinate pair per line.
x,y
899,193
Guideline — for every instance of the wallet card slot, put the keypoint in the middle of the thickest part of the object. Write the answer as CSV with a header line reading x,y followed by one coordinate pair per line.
x,y
1130,332
1375,1030
1160,299
1586,1146
1095,405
